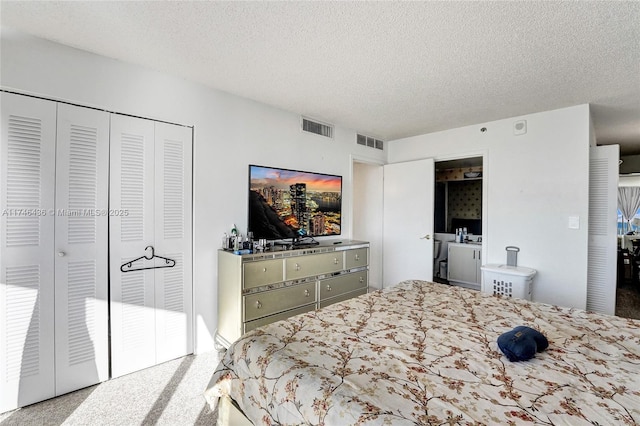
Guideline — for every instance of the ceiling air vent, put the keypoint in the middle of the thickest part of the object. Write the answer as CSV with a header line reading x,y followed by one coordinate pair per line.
x,y
316,127
369,141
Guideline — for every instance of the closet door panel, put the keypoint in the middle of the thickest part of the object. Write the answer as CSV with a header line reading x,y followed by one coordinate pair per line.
x,y
132,293
27,179
173,219
82,200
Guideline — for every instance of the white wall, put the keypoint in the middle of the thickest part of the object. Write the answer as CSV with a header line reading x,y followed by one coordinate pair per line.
x,y
534,182
229,133
367,214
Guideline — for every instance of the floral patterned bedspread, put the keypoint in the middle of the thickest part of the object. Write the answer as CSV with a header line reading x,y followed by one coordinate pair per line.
x,y
426,353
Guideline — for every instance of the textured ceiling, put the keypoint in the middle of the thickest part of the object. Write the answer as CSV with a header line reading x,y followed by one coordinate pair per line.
x,y
387,69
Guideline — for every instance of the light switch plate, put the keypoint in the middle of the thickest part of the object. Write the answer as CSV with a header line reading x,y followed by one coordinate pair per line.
x,y
574,222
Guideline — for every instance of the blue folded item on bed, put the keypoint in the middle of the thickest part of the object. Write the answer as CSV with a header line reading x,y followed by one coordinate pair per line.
x,y
522,343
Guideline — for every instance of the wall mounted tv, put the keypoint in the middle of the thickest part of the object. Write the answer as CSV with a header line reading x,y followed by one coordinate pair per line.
x,y
293,204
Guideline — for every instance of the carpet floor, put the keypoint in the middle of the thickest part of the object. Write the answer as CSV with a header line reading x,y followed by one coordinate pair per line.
x,y
167,394
628,301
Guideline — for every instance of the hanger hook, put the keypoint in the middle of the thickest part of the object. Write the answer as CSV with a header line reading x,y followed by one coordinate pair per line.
x,y
150,256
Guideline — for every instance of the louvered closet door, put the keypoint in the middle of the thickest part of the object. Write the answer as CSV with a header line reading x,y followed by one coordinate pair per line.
x,y
132,195
27,178
603,202
173,286
81,244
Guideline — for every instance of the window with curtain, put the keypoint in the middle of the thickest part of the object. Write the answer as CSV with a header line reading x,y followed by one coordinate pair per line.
x,y
628,209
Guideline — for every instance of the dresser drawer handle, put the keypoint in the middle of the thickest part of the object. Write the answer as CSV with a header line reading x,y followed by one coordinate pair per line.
x,y
264,269
335,260
357,257
328,287
306,293
258,304
297,267
361,279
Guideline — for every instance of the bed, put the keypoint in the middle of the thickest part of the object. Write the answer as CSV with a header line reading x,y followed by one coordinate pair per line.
x,y
426,353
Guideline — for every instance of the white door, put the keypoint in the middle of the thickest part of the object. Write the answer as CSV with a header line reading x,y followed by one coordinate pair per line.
x,y
173,286
603,192
81,245
408,221
131,230
27,185
151,190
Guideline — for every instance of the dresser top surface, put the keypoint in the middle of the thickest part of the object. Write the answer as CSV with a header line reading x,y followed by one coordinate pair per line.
x,y
282,251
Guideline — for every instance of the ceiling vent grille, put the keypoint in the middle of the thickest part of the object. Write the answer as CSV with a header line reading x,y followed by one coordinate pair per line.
x,y
369,141
316,127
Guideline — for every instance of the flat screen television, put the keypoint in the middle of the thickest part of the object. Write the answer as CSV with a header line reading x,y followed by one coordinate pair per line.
x,y
293,204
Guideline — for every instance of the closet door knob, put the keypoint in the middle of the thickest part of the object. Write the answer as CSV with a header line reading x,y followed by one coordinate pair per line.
x,y
61,253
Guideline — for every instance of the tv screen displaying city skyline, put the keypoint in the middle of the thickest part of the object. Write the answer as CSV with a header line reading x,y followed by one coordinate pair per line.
x,y
286,203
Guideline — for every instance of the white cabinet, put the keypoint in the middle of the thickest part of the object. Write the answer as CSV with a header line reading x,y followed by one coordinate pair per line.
x,y
151,308
53,249
464,264
258,289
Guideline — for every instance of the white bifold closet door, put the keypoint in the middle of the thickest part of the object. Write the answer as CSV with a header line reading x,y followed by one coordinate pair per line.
x,y
27,371
603,228
81,251
151,185
53,249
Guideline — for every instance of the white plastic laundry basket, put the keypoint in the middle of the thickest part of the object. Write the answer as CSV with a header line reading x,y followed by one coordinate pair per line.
x,y
508,281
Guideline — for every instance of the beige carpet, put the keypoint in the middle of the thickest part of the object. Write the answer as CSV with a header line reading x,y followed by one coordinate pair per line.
x,y
628,301
167,394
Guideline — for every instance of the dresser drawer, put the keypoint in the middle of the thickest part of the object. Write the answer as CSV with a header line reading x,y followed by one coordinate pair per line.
x,y
316,264
356,258
261,273
274,301
248,326
342,284
342,297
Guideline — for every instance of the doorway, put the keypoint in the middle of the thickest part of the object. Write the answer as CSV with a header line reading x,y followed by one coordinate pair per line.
x,y
458,205
366,221
627,303
368,206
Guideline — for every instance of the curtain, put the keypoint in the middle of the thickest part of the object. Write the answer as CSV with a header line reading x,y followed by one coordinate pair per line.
x,y
629,201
